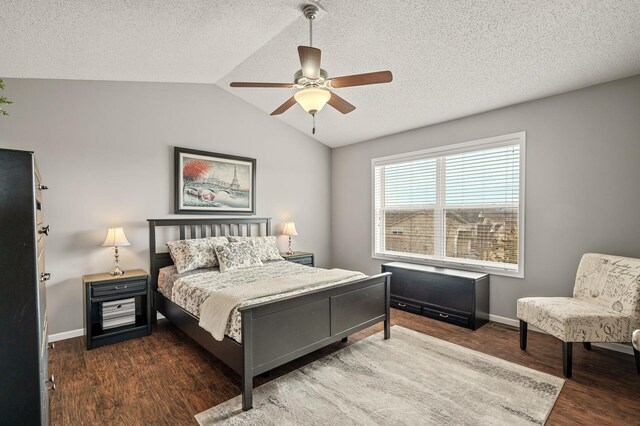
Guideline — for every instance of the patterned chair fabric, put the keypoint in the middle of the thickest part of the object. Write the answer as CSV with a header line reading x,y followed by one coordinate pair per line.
x,y
605,306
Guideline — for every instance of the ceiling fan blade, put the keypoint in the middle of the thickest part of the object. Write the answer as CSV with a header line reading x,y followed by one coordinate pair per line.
x,y
340,104
285,106
245,84
310,61
361,79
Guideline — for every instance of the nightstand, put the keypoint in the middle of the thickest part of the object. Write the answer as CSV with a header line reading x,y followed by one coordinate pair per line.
x,y
121,303
300,257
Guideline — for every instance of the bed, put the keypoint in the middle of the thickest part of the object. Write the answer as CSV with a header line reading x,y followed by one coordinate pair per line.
x,y
271,332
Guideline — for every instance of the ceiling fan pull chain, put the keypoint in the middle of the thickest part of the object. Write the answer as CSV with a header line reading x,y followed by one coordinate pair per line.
x,y
311,32
313,131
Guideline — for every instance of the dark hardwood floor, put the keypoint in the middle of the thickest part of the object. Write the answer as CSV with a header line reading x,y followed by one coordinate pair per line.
x,y
165,379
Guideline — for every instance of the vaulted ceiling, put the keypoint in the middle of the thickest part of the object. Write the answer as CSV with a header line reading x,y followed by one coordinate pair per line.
x,y
449,58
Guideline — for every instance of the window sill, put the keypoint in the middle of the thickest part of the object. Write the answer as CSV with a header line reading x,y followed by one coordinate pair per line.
x,y
453,265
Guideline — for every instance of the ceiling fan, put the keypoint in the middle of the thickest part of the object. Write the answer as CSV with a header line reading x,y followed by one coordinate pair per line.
x,y
313,83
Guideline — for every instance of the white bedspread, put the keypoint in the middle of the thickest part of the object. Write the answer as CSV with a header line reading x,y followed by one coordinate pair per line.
x,y
216,310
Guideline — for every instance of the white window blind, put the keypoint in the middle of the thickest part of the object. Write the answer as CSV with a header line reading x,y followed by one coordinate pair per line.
x,y
459,205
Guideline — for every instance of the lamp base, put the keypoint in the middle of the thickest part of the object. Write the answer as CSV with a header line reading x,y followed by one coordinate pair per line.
x,y
290,251
116,272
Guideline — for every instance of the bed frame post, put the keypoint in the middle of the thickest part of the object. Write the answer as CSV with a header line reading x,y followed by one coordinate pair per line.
x,y
387,304
154,272
247,360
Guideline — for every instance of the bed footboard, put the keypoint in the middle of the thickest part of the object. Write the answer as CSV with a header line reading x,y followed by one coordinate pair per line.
x,y
276,332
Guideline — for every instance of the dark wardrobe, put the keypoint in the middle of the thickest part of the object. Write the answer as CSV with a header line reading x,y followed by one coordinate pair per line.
x,y
24,394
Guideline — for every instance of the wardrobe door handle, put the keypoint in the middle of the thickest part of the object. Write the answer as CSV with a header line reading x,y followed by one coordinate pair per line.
x,y
45,276
42,187
51,345
44,230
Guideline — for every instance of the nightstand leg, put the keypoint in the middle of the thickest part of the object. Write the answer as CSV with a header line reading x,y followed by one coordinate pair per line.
x,y
154,316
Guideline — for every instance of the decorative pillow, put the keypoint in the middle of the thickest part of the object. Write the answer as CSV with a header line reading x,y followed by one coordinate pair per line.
x,y
237,255
197,253
266,247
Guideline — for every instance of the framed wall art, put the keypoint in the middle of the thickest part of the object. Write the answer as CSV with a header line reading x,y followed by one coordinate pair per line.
x,y
212,183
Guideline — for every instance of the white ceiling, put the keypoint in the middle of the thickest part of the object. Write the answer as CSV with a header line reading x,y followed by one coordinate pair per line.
x,y
449,58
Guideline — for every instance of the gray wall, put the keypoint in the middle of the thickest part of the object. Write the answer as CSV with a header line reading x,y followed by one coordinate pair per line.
x,y
105,151
582,177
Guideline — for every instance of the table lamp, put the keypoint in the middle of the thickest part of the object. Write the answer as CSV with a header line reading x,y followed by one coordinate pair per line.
x,y
116,238
289,229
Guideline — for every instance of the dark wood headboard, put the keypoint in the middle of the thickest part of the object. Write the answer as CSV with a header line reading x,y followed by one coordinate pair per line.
x,y
200,228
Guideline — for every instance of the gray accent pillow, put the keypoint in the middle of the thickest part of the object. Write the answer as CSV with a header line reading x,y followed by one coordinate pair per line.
x,y
237,255
266,247
197,253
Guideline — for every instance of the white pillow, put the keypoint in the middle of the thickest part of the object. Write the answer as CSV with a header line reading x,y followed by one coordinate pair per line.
x,y
237,255
266,247
197,253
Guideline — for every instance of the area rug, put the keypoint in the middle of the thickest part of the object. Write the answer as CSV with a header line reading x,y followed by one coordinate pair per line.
x,y
409,379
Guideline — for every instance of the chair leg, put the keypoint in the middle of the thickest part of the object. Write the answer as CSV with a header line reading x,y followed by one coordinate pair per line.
x,y
523,335
637,355
587,345
567,352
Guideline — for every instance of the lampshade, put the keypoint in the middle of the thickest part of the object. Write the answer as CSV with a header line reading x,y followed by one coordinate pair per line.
x,y
116,238
313,99
289,229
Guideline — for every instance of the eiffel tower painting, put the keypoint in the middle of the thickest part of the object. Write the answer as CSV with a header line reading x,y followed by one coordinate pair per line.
x,y
207,182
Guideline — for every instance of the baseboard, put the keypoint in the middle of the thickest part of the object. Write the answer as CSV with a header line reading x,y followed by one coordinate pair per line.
x,y
75,333
66,335
504,320
618,347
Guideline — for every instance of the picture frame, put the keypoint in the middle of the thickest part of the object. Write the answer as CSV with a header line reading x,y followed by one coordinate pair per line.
x,y
214,183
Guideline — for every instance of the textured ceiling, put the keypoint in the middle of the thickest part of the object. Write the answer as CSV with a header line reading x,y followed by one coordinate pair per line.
x,y
195,41
449,58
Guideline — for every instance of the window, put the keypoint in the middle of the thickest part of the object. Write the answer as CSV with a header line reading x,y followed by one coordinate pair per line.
x,y
460,205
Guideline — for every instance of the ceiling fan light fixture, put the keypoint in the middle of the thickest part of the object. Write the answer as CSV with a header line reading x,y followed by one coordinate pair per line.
x,y
312,99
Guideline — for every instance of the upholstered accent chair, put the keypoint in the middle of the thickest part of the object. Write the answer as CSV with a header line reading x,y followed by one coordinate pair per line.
x,y
605,307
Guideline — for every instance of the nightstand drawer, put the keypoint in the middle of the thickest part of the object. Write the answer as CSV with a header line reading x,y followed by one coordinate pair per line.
x,y
299,257
98,290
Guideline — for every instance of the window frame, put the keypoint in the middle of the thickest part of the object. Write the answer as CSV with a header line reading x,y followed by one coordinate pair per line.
x,y
517,138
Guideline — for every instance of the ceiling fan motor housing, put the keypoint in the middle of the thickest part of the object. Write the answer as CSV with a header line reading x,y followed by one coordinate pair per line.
x,y
303,81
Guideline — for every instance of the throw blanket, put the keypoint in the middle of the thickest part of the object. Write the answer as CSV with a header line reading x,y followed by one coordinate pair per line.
x,y
215,311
